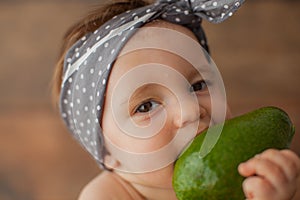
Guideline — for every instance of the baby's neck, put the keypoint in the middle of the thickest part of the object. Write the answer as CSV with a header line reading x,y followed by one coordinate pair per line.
x,y
152,193
149,192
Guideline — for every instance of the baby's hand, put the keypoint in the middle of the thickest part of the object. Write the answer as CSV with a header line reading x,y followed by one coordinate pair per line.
x,y
271,175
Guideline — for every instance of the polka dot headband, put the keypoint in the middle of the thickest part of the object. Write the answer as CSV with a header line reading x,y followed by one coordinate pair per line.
x,y
89,61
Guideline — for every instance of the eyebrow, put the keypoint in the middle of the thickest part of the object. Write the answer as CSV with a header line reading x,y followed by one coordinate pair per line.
x,y
136,94
203,69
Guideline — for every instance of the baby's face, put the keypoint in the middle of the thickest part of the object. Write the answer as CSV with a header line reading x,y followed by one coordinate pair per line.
x,y
157,101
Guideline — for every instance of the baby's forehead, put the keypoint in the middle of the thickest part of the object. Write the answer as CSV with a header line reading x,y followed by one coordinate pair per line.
x,y
159,33
167,25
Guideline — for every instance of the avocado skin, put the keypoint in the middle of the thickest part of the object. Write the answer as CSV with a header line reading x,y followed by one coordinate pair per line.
x,y
215,176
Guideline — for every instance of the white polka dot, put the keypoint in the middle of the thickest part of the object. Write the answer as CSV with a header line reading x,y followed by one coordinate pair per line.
x,y
98,108
136,18
186,12
133,14
71,104
69,60
210,18
77,49
91,98
92,70
86,108
83,38
81,124
100,58
148,10
88,121
75,121
226,6
78,112
93,84
103,81
107,27
106,44
100,73
222,15
215,3
230,14
69,92
203,6
78,101
177,19
69,112
93,111
64,115
98,38
81,76
108,66
115,16
86,139
84,90
70,80
178,10
112,51
96,31
77,87
88,132
77,55
98,94
96,120
237,4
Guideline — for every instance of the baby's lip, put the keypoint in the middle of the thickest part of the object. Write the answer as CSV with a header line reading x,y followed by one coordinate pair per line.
x,y
201,131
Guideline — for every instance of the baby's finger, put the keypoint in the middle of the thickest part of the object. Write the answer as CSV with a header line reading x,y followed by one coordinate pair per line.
x,y
293,157
285,160
256,187
264,168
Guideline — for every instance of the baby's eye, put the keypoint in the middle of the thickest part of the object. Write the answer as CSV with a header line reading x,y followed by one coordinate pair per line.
x,y
146,106
198,86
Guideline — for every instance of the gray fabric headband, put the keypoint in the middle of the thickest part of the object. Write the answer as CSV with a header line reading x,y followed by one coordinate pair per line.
x,y
89,61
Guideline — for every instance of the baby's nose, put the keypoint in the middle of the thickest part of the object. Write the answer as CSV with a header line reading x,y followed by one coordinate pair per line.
x,y
189,111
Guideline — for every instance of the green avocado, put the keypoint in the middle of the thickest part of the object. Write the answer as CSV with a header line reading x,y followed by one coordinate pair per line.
x,y
215,176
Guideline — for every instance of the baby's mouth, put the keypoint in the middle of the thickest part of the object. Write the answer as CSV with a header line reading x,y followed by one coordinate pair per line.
x,y
201,131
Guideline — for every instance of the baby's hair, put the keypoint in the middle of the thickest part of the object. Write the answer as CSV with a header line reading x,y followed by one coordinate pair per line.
x,y
88,24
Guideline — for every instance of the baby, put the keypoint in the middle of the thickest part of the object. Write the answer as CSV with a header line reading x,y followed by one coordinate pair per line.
x,y
136,84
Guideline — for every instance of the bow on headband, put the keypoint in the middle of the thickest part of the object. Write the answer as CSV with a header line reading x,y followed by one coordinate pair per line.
x,y
89,61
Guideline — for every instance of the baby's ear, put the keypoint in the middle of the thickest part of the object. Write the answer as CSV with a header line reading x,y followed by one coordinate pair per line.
x,y
111,162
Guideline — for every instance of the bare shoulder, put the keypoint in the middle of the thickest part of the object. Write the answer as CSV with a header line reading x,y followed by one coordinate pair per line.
x,y
101,187
105,186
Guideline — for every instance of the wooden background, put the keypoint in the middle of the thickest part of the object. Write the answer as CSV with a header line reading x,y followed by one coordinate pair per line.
x,y
257,51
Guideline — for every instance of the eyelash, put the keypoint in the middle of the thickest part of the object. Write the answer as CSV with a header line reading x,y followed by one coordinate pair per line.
x,y
203,85
147,103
